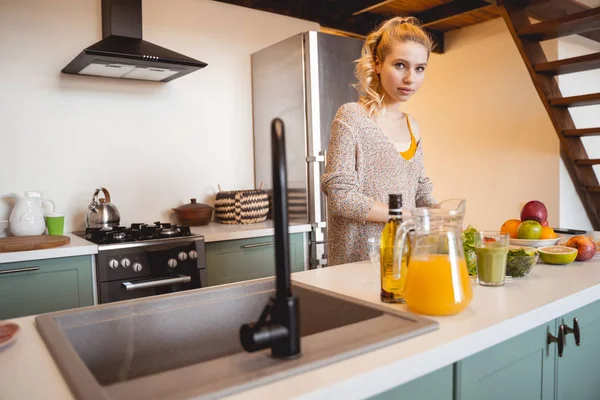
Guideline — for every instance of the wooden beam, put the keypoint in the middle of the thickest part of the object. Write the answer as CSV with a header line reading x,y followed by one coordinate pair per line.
x,y
570,65
329,15
576,101
588,161
373,7
555,24
582,132
449,10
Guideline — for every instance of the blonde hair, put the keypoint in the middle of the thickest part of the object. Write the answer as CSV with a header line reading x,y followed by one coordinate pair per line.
x,y
377,46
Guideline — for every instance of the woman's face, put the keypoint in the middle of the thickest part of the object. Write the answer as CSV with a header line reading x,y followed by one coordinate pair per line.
x,y
402,71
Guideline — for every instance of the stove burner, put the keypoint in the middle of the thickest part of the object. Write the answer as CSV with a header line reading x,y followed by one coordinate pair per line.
x,y
137,232
170,232
119,235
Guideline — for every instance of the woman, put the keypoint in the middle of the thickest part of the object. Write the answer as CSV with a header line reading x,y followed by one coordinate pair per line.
x,y
375,148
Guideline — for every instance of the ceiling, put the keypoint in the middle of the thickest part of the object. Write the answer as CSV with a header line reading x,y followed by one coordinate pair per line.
x,y
358,17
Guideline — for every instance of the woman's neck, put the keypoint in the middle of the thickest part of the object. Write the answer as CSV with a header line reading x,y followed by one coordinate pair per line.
x,y
392,107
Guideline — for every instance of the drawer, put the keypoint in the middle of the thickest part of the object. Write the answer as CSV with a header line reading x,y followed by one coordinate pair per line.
x,y
239,260
36,287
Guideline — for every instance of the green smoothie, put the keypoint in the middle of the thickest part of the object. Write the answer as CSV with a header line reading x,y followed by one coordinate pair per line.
x,y
491,264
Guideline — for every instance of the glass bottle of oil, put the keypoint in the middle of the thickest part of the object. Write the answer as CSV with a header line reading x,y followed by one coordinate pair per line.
x,y
392,288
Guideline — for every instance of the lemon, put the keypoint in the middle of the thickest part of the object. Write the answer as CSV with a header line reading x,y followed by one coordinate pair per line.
x,y
559,255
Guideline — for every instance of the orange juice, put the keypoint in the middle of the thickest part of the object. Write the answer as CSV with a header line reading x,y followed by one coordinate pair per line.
x,y
437,286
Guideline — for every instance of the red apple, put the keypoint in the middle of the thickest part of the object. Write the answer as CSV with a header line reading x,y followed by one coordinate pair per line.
x,y
534,211
585,246
545,223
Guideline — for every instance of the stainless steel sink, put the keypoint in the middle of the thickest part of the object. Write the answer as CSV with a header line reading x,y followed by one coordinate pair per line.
x,y
187,345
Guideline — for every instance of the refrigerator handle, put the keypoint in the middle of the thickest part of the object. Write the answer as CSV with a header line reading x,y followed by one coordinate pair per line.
x,y
321,157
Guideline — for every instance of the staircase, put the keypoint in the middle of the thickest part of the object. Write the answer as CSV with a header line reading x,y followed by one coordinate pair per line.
x,y
527,37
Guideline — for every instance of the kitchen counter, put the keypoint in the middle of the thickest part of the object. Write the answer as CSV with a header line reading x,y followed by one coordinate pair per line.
x,y
494,315
213,232
77,247
216,232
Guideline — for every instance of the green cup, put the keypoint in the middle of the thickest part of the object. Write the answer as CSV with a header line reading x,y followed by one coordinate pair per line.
x,y
55,222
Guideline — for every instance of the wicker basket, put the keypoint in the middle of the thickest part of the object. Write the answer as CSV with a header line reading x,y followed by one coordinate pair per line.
x,y
241,206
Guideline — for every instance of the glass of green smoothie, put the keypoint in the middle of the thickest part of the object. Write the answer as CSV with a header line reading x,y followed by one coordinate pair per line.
x,y
491,249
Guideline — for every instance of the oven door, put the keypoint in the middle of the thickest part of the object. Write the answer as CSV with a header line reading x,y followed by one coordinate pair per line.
x,y
136,288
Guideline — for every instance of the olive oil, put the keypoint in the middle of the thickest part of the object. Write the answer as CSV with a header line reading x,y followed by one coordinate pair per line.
x,y
392,288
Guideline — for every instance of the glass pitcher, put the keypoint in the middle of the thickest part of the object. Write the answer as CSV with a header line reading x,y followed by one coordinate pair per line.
x,y
437,278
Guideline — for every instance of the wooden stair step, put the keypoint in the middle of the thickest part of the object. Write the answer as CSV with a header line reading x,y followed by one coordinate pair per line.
x,y
594,189
590,161
571,24
576,101
569,65
582,132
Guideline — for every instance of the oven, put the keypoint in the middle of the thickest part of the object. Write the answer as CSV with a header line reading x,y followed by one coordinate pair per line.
x,y
138,269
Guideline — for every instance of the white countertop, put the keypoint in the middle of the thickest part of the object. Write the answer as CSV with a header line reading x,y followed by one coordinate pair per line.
x,y
216,232
213,232
77,247
494,315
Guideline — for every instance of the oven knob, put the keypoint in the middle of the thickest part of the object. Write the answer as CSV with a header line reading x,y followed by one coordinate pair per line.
x,y
137,267
125,263
172,263
113,264
182,256
193,255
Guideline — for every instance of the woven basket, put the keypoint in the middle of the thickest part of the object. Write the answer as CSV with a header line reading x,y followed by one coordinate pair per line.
x,y
241,206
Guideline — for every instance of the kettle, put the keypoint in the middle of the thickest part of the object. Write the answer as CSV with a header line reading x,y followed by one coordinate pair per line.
x,y
102,213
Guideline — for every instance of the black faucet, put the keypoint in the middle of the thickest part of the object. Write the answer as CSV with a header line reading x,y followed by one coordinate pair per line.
x,y
278,326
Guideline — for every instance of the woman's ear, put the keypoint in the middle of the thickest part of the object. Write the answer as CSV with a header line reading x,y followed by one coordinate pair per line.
x,y
377,66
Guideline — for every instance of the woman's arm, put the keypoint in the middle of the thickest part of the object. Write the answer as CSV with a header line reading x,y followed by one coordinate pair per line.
x,y
340,182
379,212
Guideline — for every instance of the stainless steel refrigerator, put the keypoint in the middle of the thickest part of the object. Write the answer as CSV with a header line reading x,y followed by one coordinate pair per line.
x,y
303,80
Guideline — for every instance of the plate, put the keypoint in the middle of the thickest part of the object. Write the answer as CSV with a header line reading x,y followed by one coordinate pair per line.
x,y
535,242
8,333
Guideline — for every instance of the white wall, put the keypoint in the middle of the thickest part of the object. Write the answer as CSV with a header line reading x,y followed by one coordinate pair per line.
x,y
487,137
153,145
572,212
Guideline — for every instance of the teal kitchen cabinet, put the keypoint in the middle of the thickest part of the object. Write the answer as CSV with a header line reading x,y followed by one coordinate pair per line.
x,y
578,370
436,385
41,286
239,260
519,368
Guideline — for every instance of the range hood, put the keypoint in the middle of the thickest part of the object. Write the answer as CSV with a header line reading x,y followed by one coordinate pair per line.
x,y
123,54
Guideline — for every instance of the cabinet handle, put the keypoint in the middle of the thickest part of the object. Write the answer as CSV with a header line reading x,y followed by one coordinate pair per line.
x,y
14,271
560,339
575,331
251,246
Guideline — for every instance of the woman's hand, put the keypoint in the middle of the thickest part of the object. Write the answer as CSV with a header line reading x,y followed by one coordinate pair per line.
x,y
379,212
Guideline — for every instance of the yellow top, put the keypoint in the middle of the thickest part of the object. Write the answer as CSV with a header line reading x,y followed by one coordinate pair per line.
x,y
408,154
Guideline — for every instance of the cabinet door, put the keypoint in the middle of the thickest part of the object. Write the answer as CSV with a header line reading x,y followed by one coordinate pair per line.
x,y
578,375
519,368
239,260
436,385
37,287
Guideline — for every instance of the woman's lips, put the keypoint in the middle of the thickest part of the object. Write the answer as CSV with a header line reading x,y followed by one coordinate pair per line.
x,y
405,91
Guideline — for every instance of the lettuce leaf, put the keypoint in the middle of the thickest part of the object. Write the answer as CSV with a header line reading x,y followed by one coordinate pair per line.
x,y
468,237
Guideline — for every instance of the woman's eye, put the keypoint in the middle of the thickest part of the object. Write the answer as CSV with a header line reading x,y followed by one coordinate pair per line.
x,y
399,65
420,69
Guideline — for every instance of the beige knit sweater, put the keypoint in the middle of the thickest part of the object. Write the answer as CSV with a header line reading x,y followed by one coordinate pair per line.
x,y
364,167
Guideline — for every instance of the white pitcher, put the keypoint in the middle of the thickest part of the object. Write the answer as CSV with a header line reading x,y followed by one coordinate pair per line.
x,y
27,217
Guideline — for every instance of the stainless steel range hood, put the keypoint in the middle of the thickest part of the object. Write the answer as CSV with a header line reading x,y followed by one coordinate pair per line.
x,y
123,54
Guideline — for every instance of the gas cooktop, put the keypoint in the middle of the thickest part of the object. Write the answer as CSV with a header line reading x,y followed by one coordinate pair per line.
x,y
135,233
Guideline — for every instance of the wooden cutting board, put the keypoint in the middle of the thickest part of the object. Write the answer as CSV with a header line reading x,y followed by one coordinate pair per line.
x,y
25,243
